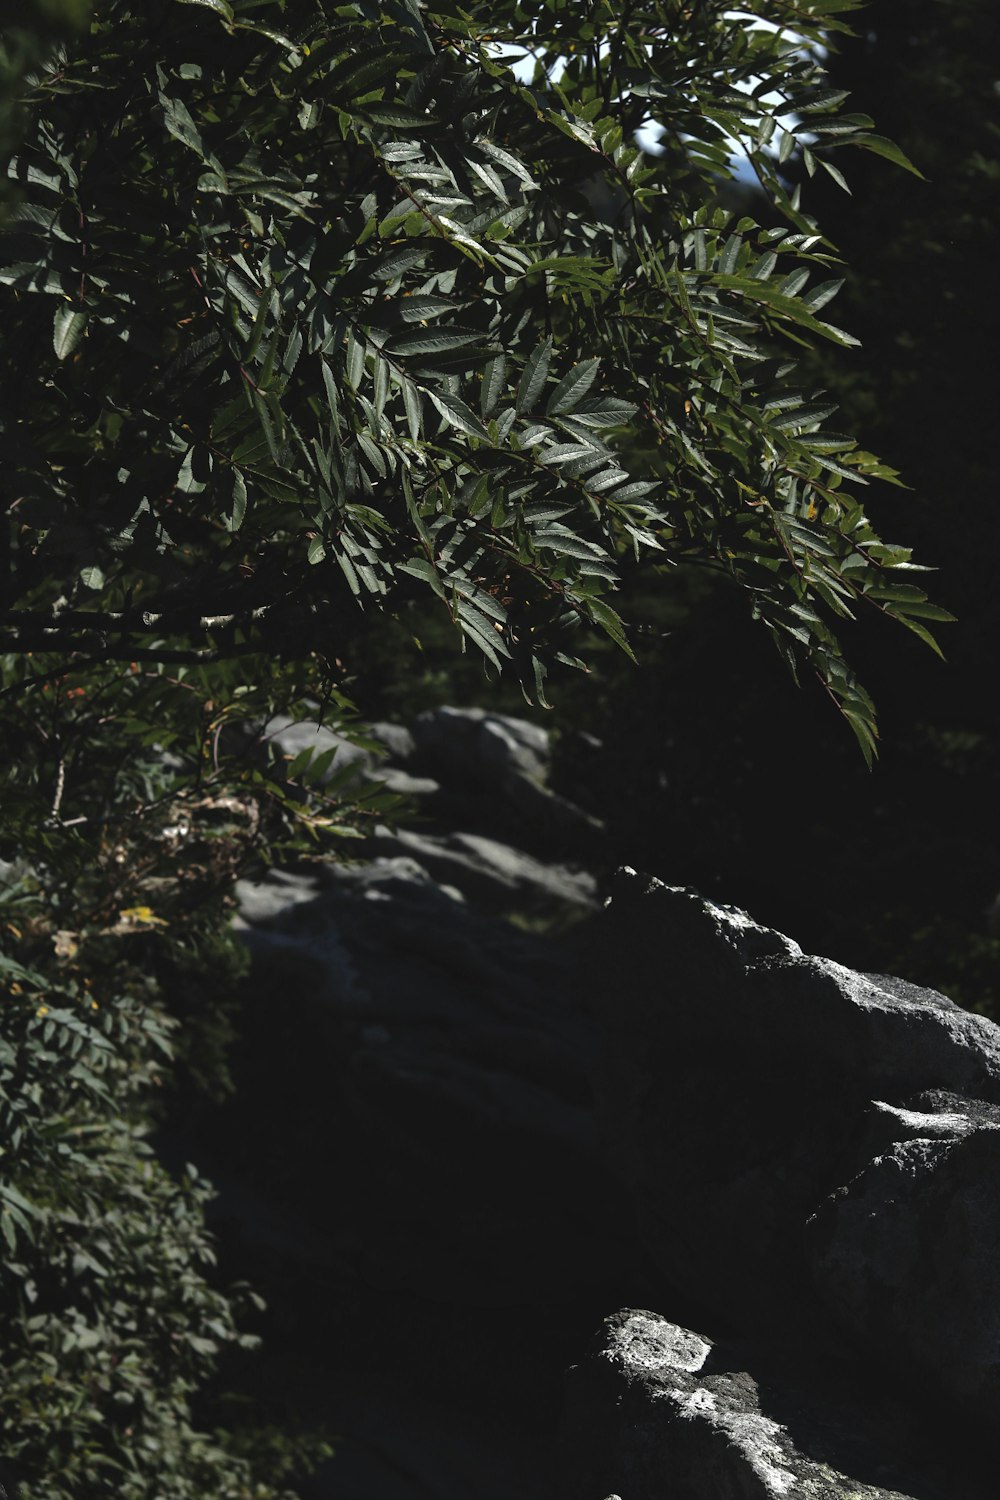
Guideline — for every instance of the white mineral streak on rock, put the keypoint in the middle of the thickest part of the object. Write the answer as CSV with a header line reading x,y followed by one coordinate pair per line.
x,y
944,1123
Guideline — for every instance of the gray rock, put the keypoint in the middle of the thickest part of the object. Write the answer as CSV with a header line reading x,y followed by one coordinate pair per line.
x,y
657,1410
279,891
453,1038
487,868
508,760
472,744
292,736
484,769
428,1118
282,922
397,739
906,1253
390,877
769,1111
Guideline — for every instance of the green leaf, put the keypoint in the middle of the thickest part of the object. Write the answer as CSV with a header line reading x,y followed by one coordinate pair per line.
x,y
355,367
458,414
413,408
494,385
239,510
611,623
795,309
418,309
730,253
15,1196
507,160
563,541
420,568
822,294
399,116
431,341
298,763
633,491
573,387
882,146
317,768
67,329
836,174
563,453
603,411
482,631
34,278
533,376
820,99
371,66
180,123
863,728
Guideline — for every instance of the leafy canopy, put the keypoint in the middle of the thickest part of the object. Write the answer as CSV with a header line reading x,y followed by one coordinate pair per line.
x,y
314,309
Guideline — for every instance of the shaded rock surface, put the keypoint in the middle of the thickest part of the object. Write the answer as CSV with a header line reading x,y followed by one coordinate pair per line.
x,y
795,1159
470,769
908,1252
808,1147
413,1178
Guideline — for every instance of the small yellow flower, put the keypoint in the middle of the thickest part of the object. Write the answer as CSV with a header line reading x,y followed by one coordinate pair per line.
x,y
42,1010
140,916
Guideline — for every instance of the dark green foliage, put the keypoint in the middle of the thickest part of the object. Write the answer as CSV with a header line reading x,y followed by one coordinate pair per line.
x,y
117,964
30,29
409,317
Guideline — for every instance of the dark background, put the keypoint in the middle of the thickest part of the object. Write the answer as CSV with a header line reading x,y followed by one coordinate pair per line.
x,y
758,793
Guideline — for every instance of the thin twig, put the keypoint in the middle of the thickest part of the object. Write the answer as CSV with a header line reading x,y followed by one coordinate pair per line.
x,y
60,788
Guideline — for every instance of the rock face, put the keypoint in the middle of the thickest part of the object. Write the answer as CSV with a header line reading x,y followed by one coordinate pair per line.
x,y
506,762
481,783
908,1252
656,1411
810,1149
438,1232
526,1111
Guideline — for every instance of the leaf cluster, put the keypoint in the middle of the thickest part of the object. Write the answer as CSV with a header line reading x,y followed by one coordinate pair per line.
x,y
420,326
118,964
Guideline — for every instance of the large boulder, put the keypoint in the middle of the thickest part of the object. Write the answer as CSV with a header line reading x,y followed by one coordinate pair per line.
x,y
379,761
656,1410
487,869
466,768
908,1252
807,1146
426,1112
498,768
475,745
